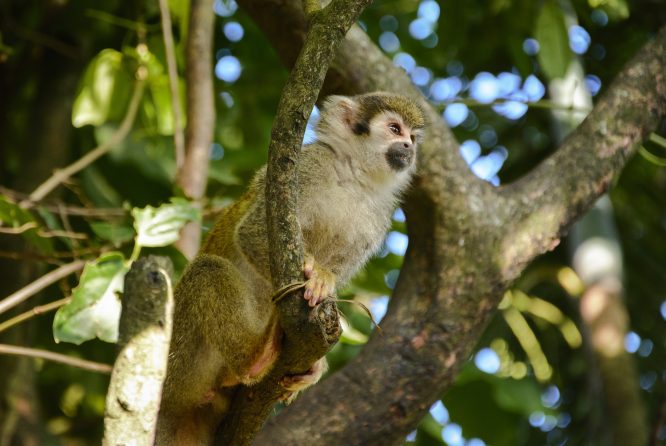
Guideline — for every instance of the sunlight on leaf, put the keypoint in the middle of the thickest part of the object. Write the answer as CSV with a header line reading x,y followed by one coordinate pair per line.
x,y
161,226
94,310
103,91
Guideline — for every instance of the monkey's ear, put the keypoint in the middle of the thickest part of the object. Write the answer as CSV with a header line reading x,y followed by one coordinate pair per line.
x,y
342,107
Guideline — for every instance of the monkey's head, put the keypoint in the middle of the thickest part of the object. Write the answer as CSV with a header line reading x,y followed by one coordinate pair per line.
x,y
381,130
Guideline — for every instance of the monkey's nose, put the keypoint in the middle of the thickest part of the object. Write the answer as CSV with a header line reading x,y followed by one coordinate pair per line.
x,y
400,155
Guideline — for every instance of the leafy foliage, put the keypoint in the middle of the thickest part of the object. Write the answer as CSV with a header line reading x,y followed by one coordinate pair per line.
x,y
94,310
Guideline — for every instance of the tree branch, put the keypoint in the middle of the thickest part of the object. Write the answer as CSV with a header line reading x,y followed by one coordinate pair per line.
x,y
559,190
35,311
193,175
55,357
309,334
133,399
451,281
35,287
61,175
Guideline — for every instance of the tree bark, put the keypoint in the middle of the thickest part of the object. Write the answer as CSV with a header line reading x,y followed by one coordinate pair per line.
x,y
461,257
133,399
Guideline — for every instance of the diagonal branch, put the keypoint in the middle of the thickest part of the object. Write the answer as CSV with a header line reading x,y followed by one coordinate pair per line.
x,y
555,193
452,279
55,357
61,175
309,334
35,287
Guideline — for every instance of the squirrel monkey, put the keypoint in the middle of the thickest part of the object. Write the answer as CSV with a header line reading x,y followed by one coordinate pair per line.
x,y
225,330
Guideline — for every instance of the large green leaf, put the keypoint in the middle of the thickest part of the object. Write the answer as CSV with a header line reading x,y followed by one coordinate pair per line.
x,y
551,32
161,226
104,90
94,310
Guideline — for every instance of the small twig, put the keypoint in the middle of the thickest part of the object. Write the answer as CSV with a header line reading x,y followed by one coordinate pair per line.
x,y
64,208
68,227
39,309
55,357
55,257
39,284
61,175
20,230
109,213
178,136
42,232
59,233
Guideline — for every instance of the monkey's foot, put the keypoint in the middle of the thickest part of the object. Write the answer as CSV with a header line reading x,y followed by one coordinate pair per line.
x,y
295,383
320,281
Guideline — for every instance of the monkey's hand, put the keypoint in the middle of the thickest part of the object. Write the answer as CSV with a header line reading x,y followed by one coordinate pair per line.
x,y
320,282
295,383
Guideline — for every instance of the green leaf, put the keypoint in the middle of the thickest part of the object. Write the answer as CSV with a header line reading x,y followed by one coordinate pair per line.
x,y
14,216
161,226
104,90
161,100
116,233
94,310
551,32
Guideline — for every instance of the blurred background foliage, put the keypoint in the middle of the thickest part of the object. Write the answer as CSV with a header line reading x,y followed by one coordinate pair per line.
x,y
68,69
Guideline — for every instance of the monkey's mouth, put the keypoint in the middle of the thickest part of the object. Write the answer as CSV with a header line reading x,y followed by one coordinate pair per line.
x,y
400,157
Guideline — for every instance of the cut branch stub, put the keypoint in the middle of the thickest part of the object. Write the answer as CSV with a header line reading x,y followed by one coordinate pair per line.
x,y
133,399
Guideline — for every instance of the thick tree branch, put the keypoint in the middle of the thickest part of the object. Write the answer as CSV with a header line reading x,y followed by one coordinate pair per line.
x,y
450,283
193,175
308,334
133,399
554,194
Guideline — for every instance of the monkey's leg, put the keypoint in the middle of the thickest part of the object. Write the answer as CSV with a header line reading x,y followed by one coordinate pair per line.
x,y
218,334
320,281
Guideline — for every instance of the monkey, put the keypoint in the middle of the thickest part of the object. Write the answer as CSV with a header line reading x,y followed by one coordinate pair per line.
x,y
225,330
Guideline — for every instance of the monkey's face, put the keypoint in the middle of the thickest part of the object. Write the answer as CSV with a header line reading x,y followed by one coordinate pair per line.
x,y
379,131
393,141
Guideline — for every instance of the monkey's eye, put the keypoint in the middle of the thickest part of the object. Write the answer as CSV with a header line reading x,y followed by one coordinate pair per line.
x,y
395,128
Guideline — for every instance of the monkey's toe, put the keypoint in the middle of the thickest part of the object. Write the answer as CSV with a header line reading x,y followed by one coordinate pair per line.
x,y
320,281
